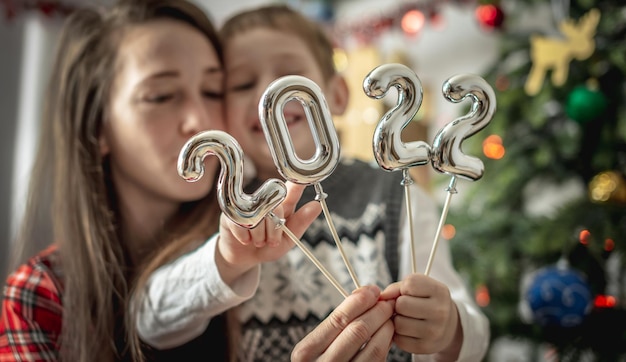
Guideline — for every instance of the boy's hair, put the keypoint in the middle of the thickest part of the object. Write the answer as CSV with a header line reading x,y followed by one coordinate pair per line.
x,y
285,19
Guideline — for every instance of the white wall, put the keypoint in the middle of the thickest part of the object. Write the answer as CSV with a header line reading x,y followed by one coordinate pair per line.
x,y
10,58
27,43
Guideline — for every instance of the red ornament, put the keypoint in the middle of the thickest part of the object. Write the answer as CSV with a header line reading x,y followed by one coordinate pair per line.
x,y
10,9
604,301
490,16
482,296
48,8
412,22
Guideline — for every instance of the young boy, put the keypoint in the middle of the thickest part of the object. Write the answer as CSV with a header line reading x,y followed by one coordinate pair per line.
x,y
434,317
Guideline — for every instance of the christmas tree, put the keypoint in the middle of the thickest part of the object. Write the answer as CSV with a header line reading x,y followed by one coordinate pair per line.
x,y
541,236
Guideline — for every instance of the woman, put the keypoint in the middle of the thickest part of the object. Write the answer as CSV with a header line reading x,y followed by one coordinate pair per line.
x,y
129,86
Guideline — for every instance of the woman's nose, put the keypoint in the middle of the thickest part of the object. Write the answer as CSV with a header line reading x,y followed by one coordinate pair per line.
x,y
198,118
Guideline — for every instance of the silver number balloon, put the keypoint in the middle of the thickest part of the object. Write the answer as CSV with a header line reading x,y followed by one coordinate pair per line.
x,y
310,96
447,155
326,156
243,209
389,150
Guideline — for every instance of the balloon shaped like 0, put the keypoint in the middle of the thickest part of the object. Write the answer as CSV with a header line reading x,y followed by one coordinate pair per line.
x,y
243,209
271,108
389,151
447,155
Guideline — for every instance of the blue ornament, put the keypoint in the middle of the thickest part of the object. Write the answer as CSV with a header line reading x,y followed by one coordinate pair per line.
x,y
559,296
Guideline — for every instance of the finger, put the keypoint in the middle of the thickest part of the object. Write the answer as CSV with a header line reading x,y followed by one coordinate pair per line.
x,y
391,292
316,342
302,219
294,193
258,234
413,345
378,346
360,331
420,285
414,307
434,308
273,233
240,234
412,327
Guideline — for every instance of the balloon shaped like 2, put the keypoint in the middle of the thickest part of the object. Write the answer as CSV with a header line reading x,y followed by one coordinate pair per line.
x,y
291,167
447,155
243,209
390,152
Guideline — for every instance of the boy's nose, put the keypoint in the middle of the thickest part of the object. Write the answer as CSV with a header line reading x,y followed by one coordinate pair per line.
x,y
262,85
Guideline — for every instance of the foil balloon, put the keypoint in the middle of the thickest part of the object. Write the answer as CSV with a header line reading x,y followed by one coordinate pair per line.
x,y
246,210
271,107
326,157
389,150
243,209
447,155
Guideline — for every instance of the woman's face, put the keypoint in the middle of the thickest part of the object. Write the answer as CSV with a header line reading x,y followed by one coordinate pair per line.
x,y
167,87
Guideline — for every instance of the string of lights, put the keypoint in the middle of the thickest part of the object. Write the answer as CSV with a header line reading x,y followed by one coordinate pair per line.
x,y
412,17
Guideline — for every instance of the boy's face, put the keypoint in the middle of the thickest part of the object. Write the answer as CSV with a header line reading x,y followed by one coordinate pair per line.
x,y
253,60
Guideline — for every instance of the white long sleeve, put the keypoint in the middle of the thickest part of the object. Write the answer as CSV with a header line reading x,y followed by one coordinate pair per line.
x,y
425,220
180,298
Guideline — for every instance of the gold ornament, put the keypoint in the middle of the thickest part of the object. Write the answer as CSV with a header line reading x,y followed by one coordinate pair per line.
x,y
556,54
608,186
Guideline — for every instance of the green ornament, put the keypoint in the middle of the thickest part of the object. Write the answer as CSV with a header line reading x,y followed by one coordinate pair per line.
x,y
584,104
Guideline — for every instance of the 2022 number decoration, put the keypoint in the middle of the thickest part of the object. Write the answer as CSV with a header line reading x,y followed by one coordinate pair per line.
x,y
445,154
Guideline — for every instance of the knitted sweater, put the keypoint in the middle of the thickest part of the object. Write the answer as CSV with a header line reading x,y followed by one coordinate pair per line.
x,y
293,295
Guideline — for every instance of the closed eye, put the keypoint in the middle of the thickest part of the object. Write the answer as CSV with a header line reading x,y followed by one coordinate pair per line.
x,y
212,95
242,87
161,98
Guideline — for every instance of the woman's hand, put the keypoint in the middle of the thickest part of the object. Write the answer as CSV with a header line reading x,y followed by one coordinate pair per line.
x,y
239,248
359,329
426,320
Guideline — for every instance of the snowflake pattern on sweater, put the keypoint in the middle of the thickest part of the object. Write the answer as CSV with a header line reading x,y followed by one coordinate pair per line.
x,y
293,295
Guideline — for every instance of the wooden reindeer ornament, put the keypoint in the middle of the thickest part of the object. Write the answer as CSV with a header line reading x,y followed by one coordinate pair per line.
x,y
556,54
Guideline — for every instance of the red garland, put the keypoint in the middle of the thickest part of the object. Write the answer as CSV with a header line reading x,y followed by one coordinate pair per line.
x,y
47,7
366,30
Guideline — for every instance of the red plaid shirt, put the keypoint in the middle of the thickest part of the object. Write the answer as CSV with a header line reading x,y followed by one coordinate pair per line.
x,y
30,324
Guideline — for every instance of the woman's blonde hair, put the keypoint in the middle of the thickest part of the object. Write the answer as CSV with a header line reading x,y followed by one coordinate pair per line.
x,y
72,194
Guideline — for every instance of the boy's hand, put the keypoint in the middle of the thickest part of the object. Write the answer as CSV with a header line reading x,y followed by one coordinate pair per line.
x,y
426,319
239,248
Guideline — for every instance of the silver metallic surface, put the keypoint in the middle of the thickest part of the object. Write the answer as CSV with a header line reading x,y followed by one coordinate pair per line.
x,y
447,155
271,106
243,209
389,151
